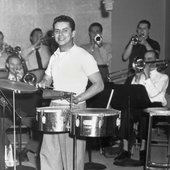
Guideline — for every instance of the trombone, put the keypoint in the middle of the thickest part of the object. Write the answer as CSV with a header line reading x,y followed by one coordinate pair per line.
x,y
137,66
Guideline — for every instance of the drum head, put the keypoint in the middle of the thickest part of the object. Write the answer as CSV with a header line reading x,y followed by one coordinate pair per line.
x,y
51,109
95,111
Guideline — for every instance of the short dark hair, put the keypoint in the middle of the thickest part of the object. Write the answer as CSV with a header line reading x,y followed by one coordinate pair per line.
x,y
64,18
33,31
96,24
144,22
13,55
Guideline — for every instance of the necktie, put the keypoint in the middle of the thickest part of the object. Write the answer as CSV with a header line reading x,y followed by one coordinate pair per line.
x,y
39,62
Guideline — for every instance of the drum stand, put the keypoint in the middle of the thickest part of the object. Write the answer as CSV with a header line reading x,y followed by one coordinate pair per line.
x,y
74,153
74,140
88,165
93,165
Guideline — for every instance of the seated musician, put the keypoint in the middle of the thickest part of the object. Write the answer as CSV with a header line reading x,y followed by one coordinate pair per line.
x,y
26,103
156,84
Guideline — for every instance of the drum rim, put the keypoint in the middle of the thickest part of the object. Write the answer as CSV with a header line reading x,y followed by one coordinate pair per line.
x,y
52,108
95,114
89,112
153,109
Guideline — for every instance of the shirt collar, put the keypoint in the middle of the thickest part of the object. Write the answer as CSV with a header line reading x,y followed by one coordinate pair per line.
x,y
154,71
58,52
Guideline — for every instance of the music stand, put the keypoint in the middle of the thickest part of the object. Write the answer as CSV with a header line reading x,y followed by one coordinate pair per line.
x,y
126,97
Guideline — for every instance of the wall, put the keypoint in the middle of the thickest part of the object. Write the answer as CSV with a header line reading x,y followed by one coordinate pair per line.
x,y
125,17
19,17
167,38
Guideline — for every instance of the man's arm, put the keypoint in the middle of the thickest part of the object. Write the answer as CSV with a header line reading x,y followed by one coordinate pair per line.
x,y
155,88
45,82
127,52
96,87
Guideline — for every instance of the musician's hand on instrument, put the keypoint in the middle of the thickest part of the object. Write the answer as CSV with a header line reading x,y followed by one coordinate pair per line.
x,y
137,77
76,99
98,40
143,41
37,44
146,71
41,84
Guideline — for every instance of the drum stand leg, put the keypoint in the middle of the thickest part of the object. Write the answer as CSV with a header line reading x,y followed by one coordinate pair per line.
x,y
92,165
74,153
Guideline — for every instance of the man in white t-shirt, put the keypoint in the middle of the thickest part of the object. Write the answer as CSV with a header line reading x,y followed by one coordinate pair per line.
x,y
69,69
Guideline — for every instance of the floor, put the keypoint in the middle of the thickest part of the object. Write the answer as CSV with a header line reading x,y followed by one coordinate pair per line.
x,y
158,154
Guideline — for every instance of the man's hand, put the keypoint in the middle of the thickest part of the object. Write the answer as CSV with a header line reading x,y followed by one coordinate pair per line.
x,y
98,40
146,71
41,84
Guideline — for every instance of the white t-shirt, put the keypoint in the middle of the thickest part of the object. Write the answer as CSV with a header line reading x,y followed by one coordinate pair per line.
x,y
70,70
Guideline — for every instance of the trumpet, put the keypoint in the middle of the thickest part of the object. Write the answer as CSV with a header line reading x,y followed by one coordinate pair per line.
x,y
137,39
98,38
30,79
138,66
45,40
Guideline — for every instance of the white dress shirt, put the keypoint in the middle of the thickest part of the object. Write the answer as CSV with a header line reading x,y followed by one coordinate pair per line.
x,y
29,55
156,86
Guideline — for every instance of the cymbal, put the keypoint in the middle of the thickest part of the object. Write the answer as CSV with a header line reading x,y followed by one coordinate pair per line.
x,y
17,86
53,94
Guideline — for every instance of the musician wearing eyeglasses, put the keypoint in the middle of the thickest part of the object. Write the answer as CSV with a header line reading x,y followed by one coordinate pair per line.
x,y
15,68
156,84
140,43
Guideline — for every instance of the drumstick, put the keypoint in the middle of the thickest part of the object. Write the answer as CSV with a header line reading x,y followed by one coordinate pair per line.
x,y
111,94
50,87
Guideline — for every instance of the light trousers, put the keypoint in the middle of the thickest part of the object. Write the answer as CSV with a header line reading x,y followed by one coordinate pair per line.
x,y
57,151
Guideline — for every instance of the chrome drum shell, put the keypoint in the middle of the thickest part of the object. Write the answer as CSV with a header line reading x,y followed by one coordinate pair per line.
x,y
94,122
53,119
